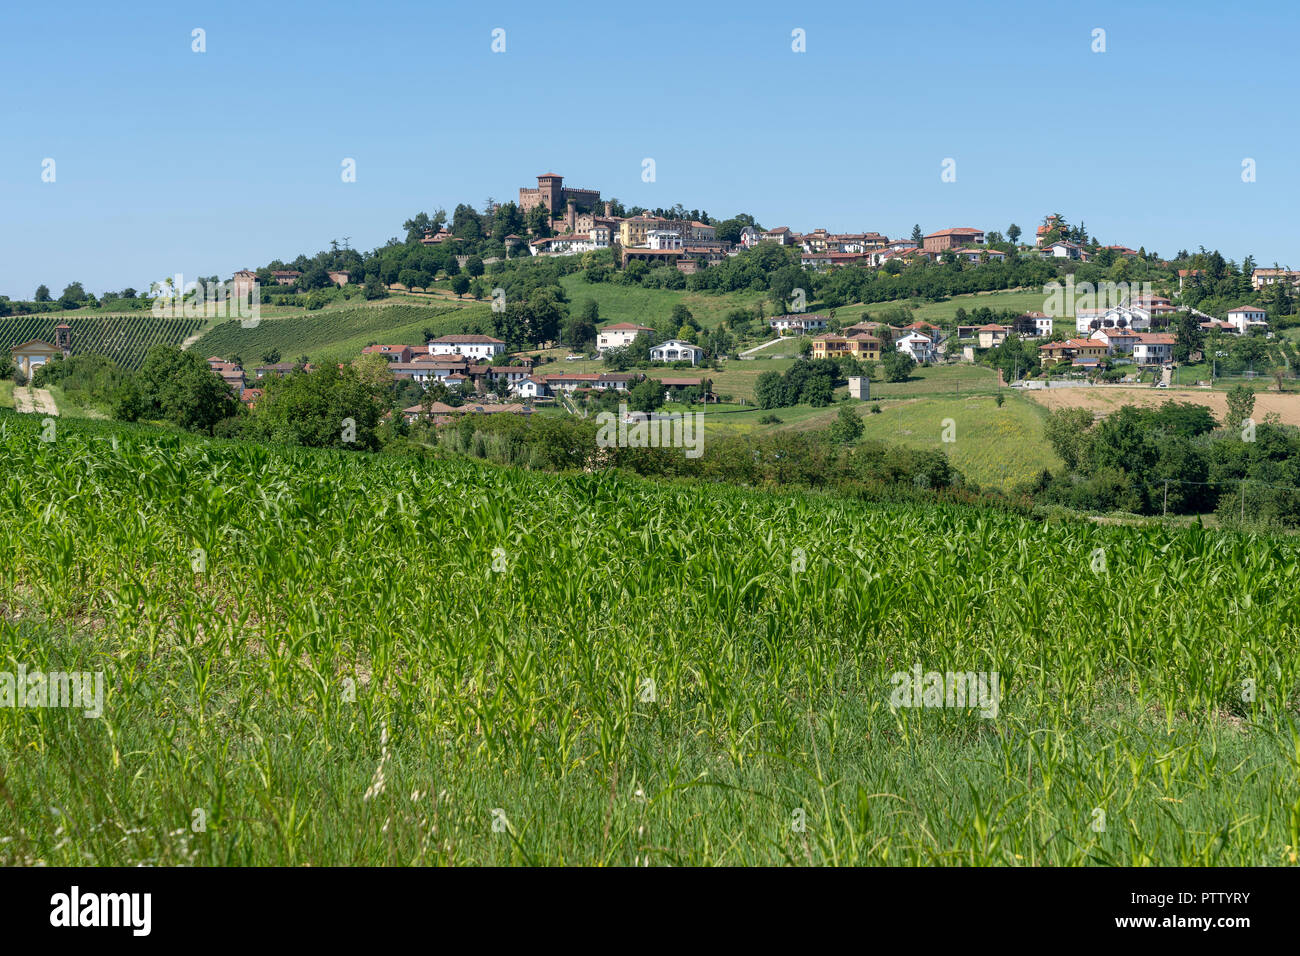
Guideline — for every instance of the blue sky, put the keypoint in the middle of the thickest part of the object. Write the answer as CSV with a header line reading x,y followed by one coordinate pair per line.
x,y
172,161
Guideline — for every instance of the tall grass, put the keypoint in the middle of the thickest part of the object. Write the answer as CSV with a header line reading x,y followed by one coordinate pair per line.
x,y
386,661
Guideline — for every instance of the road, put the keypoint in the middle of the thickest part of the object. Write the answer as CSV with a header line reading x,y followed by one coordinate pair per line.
x,y
37,401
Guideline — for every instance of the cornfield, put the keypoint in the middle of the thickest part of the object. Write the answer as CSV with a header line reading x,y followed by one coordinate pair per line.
x,y
332,658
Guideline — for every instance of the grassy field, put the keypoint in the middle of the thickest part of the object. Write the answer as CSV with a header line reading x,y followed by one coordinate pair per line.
x,y
337,335
944,313
6,394
631,303
283,684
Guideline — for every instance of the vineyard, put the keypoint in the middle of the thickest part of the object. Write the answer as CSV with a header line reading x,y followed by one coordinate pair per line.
x,y
317,658
125,339
338,335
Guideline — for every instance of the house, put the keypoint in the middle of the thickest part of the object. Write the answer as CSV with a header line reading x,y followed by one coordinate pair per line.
x,y
1049,224
1261,278
618,381
230,373
277,368
878,257
1124,251
1117,341
393,353
969,254
919,347
952,239
1037,324
880,330
673,387
1247,317
675,350
1063,249
781,235
513,375
473,346
532,387
992,335
285,276
863,347
1153,348
1053,353
783,324
621,334
339,277
562,382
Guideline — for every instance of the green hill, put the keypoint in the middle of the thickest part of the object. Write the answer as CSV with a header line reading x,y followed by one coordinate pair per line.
x,y
338,335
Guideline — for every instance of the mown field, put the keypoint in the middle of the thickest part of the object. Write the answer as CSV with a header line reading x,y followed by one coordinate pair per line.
x,y
331,658
337,335
633,303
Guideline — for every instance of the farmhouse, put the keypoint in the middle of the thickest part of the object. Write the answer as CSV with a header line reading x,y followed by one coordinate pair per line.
x,y
474,346
393,353
31,355
992,335
919,347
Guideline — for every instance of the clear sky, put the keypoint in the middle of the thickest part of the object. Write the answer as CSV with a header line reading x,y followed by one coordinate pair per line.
x,y
167,160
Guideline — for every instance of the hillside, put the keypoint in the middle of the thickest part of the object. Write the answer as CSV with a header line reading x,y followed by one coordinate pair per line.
x,y
339,334
125,339
598,669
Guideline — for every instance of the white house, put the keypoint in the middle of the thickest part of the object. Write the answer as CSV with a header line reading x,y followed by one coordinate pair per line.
x,y
919,347
796,323
1247,317
620,335
1120,317
675,350
1040,322
1153,348
1062,249
475,346
663,239
532,387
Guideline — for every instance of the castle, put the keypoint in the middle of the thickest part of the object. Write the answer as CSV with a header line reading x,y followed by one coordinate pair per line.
x,y
552,193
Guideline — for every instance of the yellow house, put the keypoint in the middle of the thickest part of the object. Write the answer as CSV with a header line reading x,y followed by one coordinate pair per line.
x,y
632,232
864,348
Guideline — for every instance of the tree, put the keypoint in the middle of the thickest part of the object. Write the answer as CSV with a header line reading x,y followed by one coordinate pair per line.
x,y
896,366
1067,432
459,284
42,293
73,296
1241,402
1188,337
271,356
918,239
474,266
1013,234
847,427
769,390
375,288
178,387
646,395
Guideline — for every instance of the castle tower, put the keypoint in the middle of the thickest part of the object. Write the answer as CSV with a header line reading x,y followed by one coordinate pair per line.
x,y
551,187
63,338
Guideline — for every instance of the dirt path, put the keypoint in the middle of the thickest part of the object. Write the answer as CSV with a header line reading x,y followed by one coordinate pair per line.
x,y
37,401
1109,399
